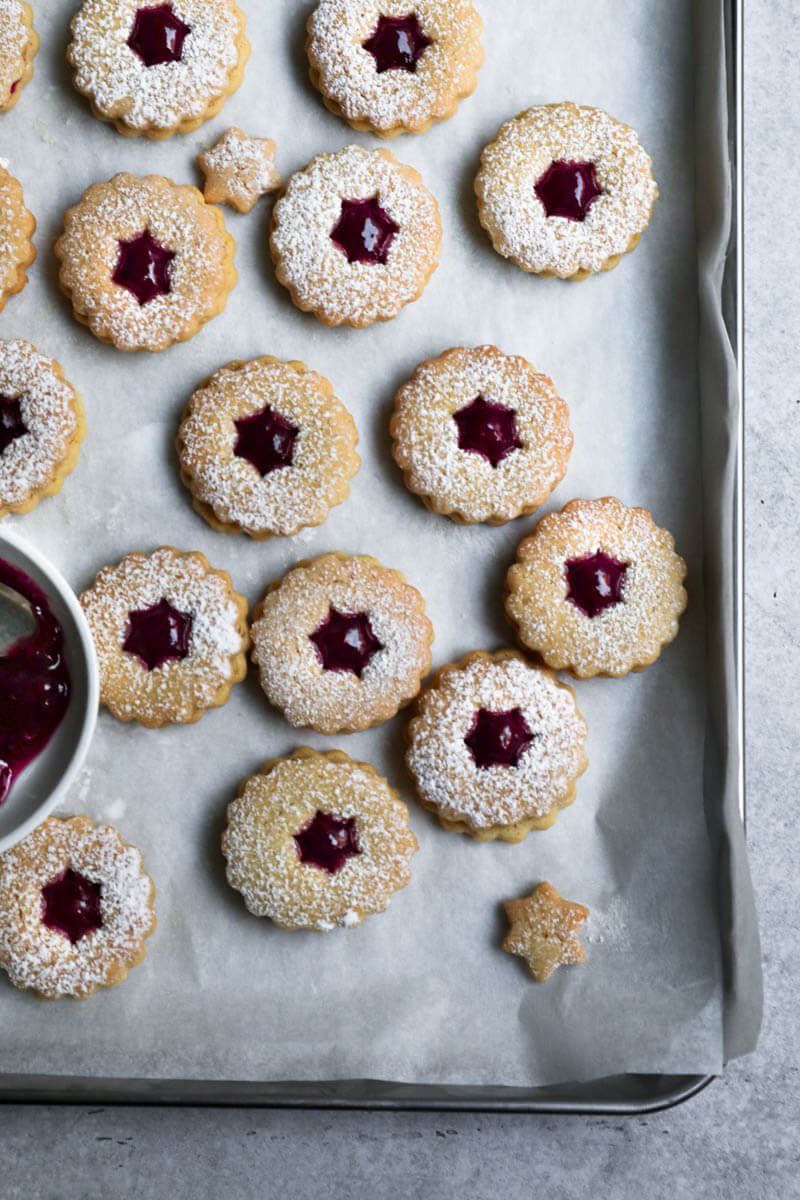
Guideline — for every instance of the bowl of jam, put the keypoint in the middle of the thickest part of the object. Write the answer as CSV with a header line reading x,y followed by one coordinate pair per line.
x,y
48,688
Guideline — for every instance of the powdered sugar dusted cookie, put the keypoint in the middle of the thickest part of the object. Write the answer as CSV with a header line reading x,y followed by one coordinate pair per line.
x,y
17,227
565,191
597,589
266,448
316,841
239,169
341,643
170,635
480,435
495,746
75,909
42,425
393,67
18,45
355,236
157,68
145,263
545,931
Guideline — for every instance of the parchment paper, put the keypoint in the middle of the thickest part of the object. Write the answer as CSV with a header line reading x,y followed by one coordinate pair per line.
x,y
422,993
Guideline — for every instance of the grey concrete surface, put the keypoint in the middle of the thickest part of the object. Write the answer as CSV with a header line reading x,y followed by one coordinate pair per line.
x,y
739,1138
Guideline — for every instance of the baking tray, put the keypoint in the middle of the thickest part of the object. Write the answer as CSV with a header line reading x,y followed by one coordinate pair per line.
x,y
623,1094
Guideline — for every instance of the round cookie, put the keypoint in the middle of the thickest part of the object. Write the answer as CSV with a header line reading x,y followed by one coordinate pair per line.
x,y
390,70
157,68
17,227
316,841
355,236
145,263
266,448
19,42
565,191
597,589
480,435
75,909
495,746
42,425
341,643
239,169
170,635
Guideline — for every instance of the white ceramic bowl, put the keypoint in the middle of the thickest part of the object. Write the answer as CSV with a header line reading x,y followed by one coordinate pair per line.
x,y
40,787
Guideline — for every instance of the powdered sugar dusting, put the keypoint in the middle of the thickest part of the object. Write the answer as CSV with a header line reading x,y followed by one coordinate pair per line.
x,y
14,38
239,169
16,227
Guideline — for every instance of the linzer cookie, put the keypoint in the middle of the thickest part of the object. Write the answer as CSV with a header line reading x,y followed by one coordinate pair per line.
x,y
145,263
42,425
157,69
390,67
238,170
355,236
545,931
341,643
597,589
480,435
75,909
316,841
565,191
170,635
17,227
266,448
18,45
495,746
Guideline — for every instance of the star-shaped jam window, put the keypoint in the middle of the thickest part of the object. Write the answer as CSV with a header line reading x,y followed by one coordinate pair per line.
x,y
327,841
158,634
12,425
568,189
397,43
345,642
239,169
544,931
157,35
143,267
266,439
364,231
71,904
595,582
487,429
498,739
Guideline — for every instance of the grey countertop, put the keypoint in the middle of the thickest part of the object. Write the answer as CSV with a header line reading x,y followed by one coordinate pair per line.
x,y
738,1138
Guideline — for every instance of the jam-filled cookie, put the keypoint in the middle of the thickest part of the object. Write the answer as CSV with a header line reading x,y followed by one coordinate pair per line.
x,y
170,635
75,909
394,66
544,930
42,425
266,448
316,841
565,191
17,227
597,589
355,236
157,68
144,262
341,643
239,169
18,45
495,746
480,435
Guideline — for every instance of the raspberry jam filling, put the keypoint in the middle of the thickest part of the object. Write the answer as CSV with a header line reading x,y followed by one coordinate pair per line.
x,y
12,425
595,582
487,429
498,739
364,231
157,634
568,189
143,267
345,642
397,43
71,905
157,35
14,86
327,841
34,683
266,439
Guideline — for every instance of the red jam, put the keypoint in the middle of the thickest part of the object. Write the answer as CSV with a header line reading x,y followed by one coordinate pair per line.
x,y
34,683
14,86
345,642
71,905
12,425
266,439
488,429
595,582
158,634
498,739
143,267
364,231
327,841
397,43
568,189
157,35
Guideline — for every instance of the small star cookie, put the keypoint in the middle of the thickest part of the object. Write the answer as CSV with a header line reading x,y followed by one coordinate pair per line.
x,y
544,931
239,169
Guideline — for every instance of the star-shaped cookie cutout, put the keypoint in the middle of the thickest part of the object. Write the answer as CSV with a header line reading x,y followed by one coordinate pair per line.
x,y
239,169
544,931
